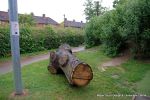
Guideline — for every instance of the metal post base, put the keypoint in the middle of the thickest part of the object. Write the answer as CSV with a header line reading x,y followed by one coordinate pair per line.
x,y
14,94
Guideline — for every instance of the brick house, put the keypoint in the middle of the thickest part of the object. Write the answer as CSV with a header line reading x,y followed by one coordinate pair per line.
x,y
40,20
73,24
43,20
4,18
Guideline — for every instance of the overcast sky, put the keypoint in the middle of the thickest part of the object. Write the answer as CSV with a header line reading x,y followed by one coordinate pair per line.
x,y
55,9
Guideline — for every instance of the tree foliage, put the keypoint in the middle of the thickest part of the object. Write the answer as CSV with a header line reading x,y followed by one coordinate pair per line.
x,y
128,23
92,30
137,24
93,9
25,19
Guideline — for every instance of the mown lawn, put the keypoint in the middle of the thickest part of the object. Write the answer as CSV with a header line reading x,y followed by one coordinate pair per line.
x,y
132,78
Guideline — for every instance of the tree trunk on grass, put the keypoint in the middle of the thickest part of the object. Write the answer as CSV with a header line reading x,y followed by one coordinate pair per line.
x,y
77,72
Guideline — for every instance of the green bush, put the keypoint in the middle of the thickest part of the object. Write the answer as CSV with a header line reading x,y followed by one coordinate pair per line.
x,y
26,43
105,29
111,35
128,23
93,31
73,37
67,35
34,39
4,41
137,24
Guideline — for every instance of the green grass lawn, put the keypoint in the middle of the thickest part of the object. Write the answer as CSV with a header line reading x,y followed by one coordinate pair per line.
x,y
132,78
143,86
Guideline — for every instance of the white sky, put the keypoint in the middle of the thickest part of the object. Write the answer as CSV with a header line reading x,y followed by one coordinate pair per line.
x,y
55,9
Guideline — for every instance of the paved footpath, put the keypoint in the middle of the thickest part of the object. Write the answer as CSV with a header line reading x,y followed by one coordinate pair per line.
x,y
6,67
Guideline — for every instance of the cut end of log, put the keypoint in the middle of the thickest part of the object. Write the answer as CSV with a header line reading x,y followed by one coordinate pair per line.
x,y
82,75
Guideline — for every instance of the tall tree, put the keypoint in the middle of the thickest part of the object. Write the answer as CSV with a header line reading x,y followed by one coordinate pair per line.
x,y
115,2
98,8
88,11
93,9
119,2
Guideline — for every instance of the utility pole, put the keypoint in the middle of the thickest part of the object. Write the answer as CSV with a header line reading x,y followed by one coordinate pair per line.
x,y
15,48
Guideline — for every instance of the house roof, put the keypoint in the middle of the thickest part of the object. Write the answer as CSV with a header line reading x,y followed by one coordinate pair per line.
x,y
4,16
39,19
73,23
45,20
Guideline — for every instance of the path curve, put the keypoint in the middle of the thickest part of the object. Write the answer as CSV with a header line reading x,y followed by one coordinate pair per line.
x,y
116,61
6,67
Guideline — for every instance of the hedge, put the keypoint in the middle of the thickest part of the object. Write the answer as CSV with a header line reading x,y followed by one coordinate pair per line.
x,y
34,39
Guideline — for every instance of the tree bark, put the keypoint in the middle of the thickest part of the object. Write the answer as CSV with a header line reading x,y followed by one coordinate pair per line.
x,y
77,72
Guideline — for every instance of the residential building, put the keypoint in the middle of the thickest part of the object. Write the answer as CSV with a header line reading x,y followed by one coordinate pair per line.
x,y
73,23
39,20
43,20
4,19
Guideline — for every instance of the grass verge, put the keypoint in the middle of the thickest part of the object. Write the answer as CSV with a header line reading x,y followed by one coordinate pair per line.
x,y
44,86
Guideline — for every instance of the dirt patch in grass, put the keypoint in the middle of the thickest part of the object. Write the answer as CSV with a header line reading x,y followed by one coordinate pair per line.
x,y
117,60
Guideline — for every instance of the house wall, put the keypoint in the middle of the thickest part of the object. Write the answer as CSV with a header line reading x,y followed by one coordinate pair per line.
x,y
43,25
4,23
40,25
